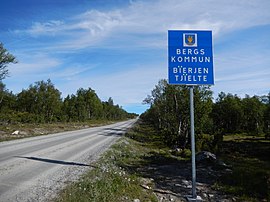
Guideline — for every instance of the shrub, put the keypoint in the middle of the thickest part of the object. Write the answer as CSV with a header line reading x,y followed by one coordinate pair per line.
x,y
204,142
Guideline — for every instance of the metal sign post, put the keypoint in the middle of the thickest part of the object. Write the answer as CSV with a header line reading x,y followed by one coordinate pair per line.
x,y
194,195
190,62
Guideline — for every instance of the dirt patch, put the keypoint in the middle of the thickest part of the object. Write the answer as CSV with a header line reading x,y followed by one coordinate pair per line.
x,y
171,179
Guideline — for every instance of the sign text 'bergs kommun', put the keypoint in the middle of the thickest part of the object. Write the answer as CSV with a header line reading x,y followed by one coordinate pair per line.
x,y
190,57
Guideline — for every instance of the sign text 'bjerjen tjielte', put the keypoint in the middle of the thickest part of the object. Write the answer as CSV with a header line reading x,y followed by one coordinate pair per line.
x,y
190,57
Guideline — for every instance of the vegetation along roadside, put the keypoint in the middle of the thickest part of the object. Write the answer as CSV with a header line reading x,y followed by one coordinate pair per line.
x,y
140,167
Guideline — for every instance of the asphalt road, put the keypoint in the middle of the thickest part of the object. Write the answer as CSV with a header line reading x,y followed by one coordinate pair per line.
x,y
35,169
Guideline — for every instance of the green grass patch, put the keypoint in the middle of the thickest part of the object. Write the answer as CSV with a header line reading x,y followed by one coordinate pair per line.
x,y
243,137
250,177
145,133
111,180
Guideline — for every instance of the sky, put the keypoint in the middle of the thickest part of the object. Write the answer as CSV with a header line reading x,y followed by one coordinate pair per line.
x,y
119,48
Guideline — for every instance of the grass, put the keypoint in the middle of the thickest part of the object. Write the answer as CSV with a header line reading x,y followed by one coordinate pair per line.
x,y
238,137
250,177
113,178
30,130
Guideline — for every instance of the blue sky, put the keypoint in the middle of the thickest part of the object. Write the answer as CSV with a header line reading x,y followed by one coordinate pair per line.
x,y
119,47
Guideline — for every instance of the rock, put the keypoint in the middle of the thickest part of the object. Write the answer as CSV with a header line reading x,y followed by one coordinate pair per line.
x,y
136,200
16,132
211,196
145,186
206,157
170,198
147,181
178,149
175,151
23,133
204,195
186,183
221,165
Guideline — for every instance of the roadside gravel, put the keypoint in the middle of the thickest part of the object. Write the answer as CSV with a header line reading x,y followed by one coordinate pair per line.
x,y
36,169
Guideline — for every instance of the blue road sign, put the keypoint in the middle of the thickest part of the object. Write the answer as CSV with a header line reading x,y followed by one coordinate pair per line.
x,y
190,57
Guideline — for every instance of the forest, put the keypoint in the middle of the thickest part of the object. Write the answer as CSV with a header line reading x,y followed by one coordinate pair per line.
x,y
228,114
42,103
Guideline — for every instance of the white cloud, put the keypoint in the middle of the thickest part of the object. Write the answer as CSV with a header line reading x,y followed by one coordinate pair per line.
x,y
158,16
51,27
153,18
71,72
84,30
98,22
33,64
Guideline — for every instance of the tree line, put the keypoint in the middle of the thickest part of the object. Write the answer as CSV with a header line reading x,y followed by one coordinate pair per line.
x,y
228,114
42,102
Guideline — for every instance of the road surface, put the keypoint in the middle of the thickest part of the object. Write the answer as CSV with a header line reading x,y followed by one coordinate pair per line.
x,y
35,169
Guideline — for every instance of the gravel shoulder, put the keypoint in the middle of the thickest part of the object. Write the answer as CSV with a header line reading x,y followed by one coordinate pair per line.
x,y
37,168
